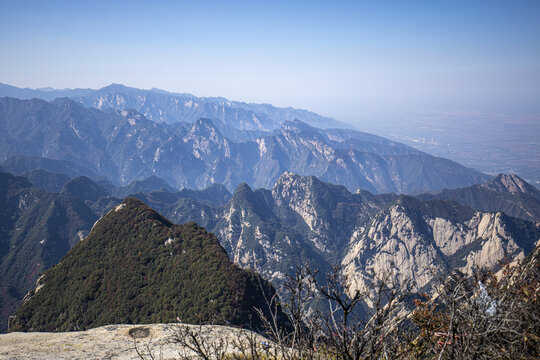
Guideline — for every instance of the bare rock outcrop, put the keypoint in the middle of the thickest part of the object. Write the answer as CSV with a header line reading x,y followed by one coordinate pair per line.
x,y
114,342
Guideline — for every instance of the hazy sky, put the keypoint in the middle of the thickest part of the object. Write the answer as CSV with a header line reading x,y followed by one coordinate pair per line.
x,y
338,58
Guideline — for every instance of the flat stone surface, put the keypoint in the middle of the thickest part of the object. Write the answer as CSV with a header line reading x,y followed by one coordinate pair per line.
x,y
114,342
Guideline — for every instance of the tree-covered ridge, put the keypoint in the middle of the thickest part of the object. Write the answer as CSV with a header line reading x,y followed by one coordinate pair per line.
x,y
137,267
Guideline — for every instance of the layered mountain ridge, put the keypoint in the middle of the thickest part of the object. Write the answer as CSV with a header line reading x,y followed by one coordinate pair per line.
x,y
303,220
323,197
162,106
125,146
513,184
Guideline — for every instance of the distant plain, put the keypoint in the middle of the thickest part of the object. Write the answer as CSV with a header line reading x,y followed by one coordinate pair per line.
x,y
491,143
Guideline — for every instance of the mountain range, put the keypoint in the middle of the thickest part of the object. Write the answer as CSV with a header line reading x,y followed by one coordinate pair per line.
x,y
303,220
162,106
125,146
507,193
304,191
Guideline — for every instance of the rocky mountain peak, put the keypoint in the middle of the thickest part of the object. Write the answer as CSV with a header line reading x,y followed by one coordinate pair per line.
x,y
112,88
513,184
292,188
295,125
205,128
132,209
243,193
287,177
290,185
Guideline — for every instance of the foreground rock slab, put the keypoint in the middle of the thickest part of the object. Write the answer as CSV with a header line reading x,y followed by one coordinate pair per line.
x,y
114,342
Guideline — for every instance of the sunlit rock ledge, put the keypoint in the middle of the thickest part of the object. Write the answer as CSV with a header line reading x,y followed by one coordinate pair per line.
x,y
119,342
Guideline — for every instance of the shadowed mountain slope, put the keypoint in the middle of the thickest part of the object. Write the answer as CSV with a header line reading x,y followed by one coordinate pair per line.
x,y
36,230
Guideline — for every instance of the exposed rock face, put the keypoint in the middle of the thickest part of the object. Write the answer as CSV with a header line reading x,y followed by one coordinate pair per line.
x,y
418,246
303,220
513,184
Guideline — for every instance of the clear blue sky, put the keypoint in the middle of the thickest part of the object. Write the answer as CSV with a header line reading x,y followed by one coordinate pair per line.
x,y
334,57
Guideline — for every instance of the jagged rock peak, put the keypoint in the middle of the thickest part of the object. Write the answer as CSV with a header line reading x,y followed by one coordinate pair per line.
x,y
296,190
513,184
287,177
243,191
295,125
114,87
205,127
289,180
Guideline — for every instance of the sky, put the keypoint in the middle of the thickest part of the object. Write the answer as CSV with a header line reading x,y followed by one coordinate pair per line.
x,y
338,58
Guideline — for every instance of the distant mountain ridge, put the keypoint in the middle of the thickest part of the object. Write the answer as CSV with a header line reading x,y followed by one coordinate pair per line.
x,y
513,184
20,164
163,106
520,200
506,193
125,146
